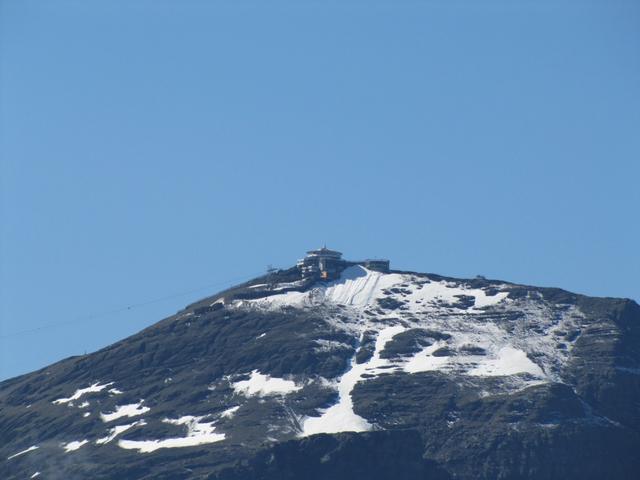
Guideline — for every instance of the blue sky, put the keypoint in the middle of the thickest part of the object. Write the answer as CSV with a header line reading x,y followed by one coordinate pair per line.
x,y
154,148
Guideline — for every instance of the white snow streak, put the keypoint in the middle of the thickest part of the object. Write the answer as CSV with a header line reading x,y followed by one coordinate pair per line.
x,y
230,412
30,449
198,433
96,387
117,430
341,417
131,410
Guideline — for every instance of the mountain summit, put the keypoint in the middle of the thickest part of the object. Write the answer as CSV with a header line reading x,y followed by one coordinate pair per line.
x,y
337,369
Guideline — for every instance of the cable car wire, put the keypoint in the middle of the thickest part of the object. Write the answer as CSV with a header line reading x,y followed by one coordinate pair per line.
x,y
133,306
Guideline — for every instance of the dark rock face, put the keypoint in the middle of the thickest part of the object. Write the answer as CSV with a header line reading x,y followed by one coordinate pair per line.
x,y
411,341
372,455
367,347
450,379
542,432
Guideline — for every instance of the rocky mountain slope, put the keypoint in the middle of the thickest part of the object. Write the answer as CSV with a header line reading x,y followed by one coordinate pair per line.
x,y
371,376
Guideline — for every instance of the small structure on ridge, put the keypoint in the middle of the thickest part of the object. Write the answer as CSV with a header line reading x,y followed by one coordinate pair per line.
x,y
326,264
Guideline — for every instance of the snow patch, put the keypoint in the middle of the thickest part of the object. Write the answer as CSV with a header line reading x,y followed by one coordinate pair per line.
x,y
117,430
73,446
96,387
30,449
230,412
424,361
357,286
449,293
499,359
264,385
509,361
131,410
198,433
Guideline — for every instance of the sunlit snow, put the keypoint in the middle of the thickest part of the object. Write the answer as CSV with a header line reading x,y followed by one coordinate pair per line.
x,y
264,385
425,361
198,433
360,287
73,446
230,412
96,387
505,361
508,361
117,430
131,410
27,450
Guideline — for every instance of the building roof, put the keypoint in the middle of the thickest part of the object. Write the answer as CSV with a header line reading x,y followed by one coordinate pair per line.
x,y
324,252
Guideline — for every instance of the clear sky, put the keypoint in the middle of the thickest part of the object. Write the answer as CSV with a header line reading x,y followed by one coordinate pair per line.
x,y
154,148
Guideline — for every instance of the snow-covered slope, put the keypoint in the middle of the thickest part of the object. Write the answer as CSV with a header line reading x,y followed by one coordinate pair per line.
x,y
361,288
477,342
